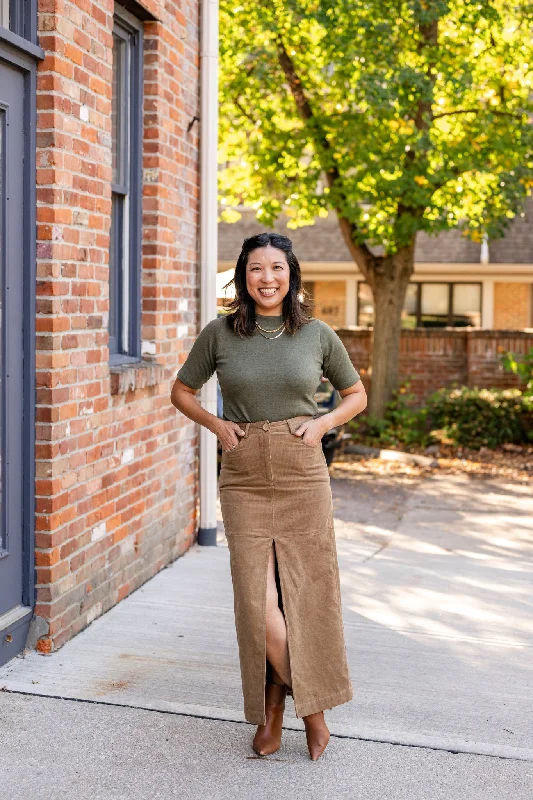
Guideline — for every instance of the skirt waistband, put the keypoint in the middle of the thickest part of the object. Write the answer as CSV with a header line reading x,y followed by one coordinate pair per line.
x,y
292,423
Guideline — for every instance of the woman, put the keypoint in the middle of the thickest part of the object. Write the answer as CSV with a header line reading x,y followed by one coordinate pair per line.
x,y
274,486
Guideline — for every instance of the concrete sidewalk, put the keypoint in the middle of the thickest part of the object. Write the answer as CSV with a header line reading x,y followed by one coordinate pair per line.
x,y
67,750
436,578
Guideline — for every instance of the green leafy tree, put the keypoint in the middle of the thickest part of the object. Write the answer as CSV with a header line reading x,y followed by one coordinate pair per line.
x,y
399,116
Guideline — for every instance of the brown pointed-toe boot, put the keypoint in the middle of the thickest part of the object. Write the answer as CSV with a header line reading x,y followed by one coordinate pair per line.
x,y
268,737
317,734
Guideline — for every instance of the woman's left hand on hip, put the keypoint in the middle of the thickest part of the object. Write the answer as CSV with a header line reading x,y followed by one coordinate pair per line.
x,y
311,432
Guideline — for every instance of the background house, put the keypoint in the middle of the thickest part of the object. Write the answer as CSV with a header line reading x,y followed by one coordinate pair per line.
x,y
450,287
460,313
98,153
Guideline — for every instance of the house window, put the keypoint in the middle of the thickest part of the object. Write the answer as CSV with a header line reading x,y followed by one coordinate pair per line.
x,y
125,234
430,305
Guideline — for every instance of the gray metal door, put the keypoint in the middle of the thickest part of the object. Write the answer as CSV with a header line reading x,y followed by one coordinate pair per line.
x,y
13,611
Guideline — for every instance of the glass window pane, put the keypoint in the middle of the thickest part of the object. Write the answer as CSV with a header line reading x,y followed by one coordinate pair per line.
x,y
118,111
434,305
115,224
410,298
117,258
409,306
365,305
467,304
434,298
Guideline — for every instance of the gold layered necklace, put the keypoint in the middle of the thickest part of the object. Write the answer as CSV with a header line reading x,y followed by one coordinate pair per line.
x,y
266,330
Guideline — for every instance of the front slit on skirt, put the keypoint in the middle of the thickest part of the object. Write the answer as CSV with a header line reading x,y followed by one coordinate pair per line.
x,y
276,489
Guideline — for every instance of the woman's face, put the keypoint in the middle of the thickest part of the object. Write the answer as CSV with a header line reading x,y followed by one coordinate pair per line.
x,y
267,279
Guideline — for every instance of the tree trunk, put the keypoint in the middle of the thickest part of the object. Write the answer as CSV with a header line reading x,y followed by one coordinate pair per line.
x,y
389,283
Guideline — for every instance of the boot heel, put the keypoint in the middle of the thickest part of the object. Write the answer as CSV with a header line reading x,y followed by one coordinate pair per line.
x,y
268,736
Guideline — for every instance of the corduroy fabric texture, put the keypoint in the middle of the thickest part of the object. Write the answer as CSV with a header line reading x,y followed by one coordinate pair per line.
x,y
275,488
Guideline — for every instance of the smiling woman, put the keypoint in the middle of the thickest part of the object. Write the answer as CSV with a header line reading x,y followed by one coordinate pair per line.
x,y
268,281
275,493
268,278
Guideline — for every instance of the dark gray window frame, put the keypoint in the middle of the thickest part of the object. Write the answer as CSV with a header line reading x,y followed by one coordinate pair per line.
x,y
125,349
418,311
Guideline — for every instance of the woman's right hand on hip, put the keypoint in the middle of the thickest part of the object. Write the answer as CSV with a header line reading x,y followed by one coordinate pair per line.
x,y
228,433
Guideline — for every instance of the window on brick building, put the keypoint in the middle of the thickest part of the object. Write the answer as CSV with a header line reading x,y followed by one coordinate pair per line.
x,y
429,304
20,17
126,155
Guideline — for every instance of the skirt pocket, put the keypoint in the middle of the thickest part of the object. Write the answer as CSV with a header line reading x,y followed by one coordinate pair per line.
x,y
316,453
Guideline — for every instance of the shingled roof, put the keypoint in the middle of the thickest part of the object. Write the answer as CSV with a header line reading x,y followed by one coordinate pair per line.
x,y
323,242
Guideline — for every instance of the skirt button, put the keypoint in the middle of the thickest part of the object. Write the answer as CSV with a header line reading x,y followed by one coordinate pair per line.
x,y
266,426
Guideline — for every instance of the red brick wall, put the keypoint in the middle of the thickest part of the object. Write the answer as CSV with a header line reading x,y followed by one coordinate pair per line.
x,y
116,465
512,305
433,358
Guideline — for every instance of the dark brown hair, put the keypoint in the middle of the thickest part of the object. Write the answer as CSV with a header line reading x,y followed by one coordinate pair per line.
x,y
296,312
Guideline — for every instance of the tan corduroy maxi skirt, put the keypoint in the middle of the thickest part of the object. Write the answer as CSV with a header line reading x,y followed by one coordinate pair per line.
x,y
275,488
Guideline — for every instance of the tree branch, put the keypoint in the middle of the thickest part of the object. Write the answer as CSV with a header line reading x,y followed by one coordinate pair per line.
x,y
429,32
477,111
237,103
361,253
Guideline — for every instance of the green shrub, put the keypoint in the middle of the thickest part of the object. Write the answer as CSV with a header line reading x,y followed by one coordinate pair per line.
x,y
522,366
402,424
462,416
480,417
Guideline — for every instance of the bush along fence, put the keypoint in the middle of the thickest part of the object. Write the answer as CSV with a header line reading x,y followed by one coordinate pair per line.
x,y
461,415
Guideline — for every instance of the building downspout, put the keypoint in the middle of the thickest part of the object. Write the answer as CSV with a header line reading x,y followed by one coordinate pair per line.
x,y
207,530
487,289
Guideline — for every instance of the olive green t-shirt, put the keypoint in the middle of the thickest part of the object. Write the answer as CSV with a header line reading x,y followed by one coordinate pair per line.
x,y
268,379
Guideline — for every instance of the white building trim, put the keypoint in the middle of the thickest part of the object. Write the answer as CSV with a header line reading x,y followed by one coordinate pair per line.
x,y
487,304
208,255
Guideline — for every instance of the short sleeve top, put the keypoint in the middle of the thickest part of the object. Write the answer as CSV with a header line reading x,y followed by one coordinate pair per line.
x,y
268,379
